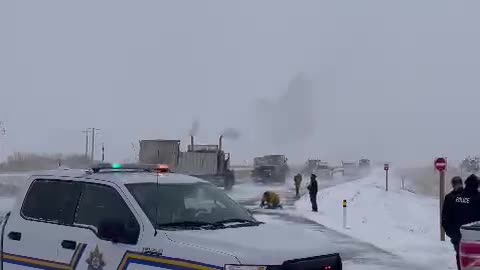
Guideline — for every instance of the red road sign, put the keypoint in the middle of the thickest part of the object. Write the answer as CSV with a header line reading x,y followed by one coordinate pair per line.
x,y
441,164
386,166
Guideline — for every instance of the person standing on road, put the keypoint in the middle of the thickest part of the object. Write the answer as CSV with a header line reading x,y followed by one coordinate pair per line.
x,y
313,190
448,222
298,182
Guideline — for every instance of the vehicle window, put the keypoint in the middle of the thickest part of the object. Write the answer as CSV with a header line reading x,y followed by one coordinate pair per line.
x,y
199,202
40,204
99,203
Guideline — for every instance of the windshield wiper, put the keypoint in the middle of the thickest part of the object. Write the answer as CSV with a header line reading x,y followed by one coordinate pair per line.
x,y
240,220
190,224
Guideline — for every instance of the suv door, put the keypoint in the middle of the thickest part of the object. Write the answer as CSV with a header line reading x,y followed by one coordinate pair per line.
x,y
98,204
31,238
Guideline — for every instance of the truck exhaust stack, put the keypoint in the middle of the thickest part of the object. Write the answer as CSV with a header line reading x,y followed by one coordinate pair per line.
x,y
191,141
220,143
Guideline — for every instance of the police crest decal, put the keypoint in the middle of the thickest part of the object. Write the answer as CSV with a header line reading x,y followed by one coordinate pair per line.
x,y
95,260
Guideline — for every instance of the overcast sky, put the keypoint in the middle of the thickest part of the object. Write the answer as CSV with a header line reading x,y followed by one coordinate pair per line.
x,y
388,80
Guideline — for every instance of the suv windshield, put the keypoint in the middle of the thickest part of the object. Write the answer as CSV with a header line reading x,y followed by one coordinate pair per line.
x,y
187,204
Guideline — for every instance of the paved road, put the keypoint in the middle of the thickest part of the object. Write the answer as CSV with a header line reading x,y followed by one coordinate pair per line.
x,y
355,254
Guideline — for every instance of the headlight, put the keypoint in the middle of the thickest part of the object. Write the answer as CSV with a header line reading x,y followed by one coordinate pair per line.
x,y
244,267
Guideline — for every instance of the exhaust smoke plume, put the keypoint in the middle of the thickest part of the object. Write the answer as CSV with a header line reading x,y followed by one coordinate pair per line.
x,y
195,127
289,118
231,133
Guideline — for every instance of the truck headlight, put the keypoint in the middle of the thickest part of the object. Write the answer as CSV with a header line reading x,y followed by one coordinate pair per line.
x,y
244,267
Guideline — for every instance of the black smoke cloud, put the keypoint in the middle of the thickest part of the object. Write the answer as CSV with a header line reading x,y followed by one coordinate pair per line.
x,y
194,128
231,133
290,117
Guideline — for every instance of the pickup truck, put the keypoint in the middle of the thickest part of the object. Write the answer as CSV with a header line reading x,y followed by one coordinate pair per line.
x,y
470,246
140,217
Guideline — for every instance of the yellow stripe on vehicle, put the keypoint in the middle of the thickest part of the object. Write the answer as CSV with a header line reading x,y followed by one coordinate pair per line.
x,y
158,261
45,264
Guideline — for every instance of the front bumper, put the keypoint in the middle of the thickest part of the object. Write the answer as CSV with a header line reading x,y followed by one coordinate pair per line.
x,y
325,262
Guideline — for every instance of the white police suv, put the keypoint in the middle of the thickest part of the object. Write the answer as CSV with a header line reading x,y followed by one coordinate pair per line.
x,y
144,217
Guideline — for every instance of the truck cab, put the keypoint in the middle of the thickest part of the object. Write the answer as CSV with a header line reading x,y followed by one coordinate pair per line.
x,y
270,168
117,216
364,163
350,168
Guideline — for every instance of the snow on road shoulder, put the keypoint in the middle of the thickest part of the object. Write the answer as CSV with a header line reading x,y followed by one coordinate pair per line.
x,y
397,221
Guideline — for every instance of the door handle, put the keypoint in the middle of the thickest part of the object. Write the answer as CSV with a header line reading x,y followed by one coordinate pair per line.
x,y
68,244
15,236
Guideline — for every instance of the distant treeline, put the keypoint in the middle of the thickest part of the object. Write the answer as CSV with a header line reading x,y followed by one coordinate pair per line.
x,y
19,162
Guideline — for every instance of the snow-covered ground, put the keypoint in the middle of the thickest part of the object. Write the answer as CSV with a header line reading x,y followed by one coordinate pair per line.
x,y
398,221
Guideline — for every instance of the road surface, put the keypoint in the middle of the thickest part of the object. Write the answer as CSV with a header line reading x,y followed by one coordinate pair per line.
x,y
356,255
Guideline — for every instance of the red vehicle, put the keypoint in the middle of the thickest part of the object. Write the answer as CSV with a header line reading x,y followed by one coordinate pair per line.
x,y
470,246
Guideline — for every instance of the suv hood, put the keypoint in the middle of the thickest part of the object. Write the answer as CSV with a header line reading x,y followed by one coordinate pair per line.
x,y
263,244
471,231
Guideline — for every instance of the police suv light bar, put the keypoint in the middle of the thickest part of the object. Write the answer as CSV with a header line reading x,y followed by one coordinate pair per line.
x,y
130,166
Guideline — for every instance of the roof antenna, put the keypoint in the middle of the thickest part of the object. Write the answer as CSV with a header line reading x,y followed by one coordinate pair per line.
x,y
156,203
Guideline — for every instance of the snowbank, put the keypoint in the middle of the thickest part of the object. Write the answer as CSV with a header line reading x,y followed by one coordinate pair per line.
x,y
398,221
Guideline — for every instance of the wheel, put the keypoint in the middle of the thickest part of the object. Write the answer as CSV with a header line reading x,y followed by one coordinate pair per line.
x,y
229,181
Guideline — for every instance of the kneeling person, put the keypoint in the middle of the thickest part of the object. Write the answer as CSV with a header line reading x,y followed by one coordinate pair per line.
x,y
271,200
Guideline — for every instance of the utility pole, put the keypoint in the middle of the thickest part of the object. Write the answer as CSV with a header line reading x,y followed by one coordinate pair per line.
x,y
3,131
86,131
103,152
93,144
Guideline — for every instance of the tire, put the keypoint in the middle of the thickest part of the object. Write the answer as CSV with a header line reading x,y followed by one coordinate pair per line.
x,y
229,180
227,185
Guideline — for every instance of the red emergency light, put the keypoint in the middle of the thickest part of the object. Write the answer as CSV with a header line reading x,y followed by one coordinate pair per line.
x,y
162,168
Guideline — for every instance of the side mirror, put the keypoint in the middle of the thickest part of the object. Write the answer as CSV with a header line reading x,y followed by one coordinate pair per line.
x,y
115,231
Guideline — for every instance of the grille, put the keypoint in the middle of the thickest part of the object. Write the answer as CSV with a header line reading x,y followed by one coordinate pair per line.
x,y
326,262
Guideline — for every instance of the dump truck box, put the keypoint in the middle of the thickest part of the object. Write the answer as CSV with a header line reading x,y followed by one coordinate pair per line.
x,y
197,163
160,152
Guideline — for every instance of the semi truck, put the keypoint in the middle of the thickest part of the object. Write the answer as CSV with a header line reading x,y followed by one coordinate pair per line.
x,y
206,161
364,166
320,168
350,168
270,168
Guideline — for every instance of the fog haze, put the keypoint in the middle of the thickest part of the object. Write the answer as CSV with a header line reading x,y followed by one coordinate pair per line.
x,y
386,80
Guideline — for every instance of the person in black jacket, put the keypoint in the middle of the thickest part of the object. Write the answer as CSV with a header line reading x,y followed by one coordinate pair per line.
x,y
468,202
313,190
447,214
466,208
